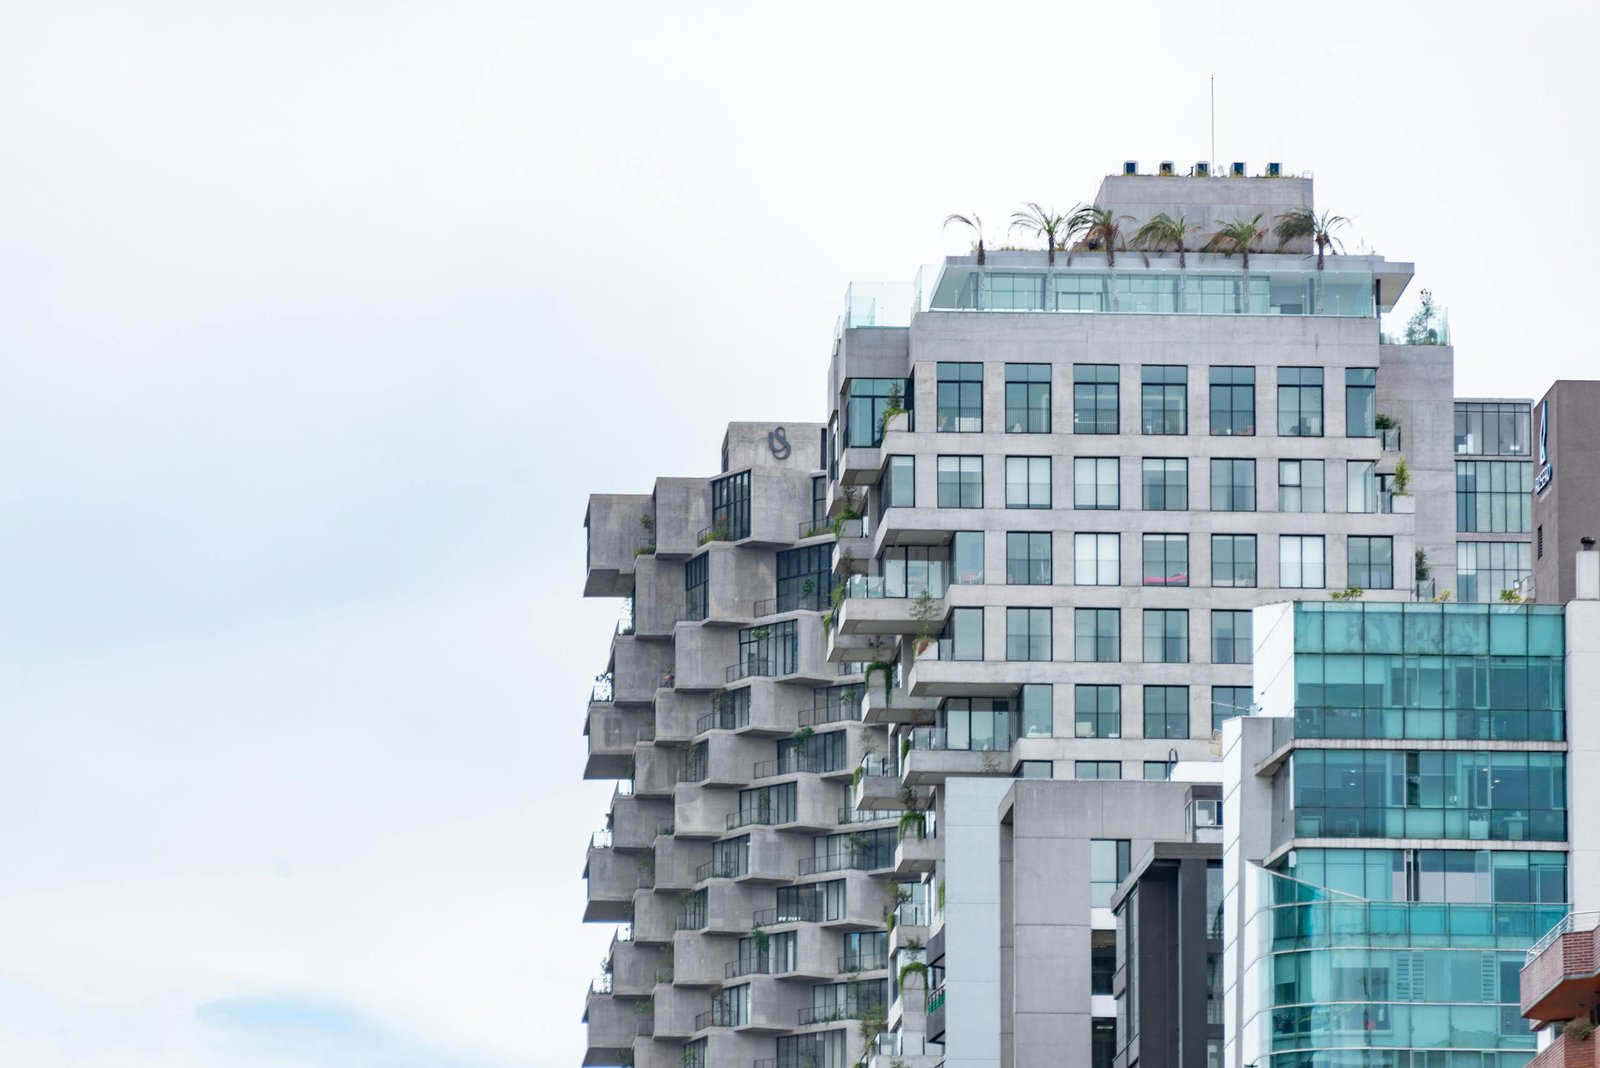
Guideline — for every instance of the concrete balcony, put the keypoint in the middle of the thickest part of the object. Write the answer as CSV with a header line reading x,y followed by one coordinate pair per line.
x,y
615,536
663,1054
816,810
634,968
613,732
637,667
682,507
701,813
612,1026
675,1010
914,855
896,707
655,771
860,467
703,654
634,820
700,960
933,676
928,767
1561,979
657,597
655,918
879,788
613,879
676,716
677,860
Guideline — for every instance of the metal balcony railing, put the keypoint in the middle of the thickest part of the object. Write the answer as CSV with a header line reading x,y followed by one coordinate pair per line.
x,y
1390,438
849,1009
849,860
717,1016
759,965
863,962
755,817
815,601
604,691
721,869
804,912
837,710
1572,922
724,719
849,814
814,763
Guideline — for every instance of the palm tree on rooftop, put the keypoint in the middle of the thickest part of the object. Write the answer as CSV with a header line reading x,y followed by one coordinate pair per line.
x,y
1102,228
1157,234
1055,228
1303,222
1240,235
973,223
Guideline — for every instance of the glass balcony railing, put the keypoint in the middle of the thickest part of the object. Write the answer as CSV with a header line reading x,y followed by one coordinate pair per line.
x,y
933,580
849,814
848,1009
799,912
813,601
815,763
880,767
600,840
863,962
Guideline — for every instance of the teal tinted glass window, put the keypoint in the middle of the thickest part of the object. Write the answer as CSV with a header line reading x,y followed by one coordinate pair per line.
x,y
1094,398
1027,398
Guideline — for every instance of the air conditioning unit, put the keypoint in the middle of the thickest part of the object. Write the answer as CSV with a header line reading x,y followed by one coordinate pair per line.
x,y
1238,170
1130,166
1202,169
1166,168
1274,170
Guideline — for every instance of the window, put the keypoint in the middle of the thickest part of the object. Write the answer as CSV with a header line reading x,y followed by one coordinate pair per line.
x,y
1300,486
1166,711
766,651
1493,429
1230,637
1164,399
1360,405
1098,635
1484,568
1038,712
900,482
1035,769
1371,563
696,579
1102,1042
1166,559
967,557
730,507
1096,769
1102,962
1027,634
1227,702
1027,481
869,399
1360,486
1300,402
1494,496
1157,771
819,497
1097,559
1300,562
960,481
965,634
1166,485
1233,400
960,398
1095,483
977,723
1094,398
804,578
1109,861
1097,712
1166,636
1027,398
1233,485
1233,560
1028,559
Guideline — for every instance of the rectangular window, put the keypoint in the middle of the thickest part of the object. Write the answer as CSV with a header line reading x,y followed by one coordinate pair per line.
x,y
1095,483
1027,634
804,578
1035,769
965,634
1233,485
1227,702
1371,563
869,399
1360,405
1027,481
977,723
1486,429
1109,861
1486,568
1094,398
960,398
1098,635
1233,401
1028,559
1230,637
1166,559
696,585
900,482
1027,398
730,507
960,481
967,557
1233,560
1097,712
1300,486
1300,402
1166,711
767,651
1157,771
1494,496
1360,486
1038,712
819,499
1301,562
1164,399
1166,636
1097,559
1166,485
1096,769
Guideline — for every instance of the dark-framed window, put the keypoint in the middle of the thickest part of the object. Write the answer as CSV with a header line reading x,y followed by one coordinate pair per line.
x,y
1233,485
1097,635
1227,702
730,507
1371,563
1028,558
978,723
900,482
1027,481
1494,496
1166,711
1300,486
1027,634
1027,398
964,632
1034,769
1164,399
1233,560
1360,402
1230,637
960,481
804,578
1233,401
1157,771
1166,559
1094,398
696,586
966,556
1166,636
960,398
769,650
1097,559
1096,769
1109,863
868,399
1096,483
1302,562
1491,429
1097,711
1360,486
819,501
1300,402
1037,712
1165,484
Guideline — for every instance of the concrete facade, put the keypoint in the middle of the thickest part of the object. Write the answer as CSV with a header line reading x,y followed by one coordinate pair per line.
x,y
1566,423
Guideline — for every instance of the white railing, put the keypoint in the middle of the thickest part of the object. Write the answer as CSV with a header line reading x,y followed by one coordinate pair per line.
x,y
1574,921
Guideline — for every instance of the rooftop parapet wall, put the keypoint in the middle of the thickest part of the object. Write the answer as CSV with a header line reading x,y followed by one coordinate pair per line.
x,y
1206,203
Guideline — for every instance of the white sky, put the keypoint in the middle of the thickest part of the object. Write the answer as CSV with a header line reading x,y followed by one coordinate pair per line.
x,y
318,322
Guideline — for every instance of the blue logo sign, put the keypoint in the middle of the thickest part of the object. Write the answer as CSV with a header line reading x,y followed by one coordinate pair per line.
x,y
1544,432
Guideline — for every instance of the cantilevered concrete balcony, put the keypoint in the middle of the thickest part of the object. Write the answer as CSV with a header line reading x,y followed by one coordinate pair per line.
x,y
612,732
1561,979
613,879
879,786
635,820
916,854
638,667
699,960
615,536
675,1010
655,770
682,507
896,706
702,654
655,917
677,860
634,967
612,1026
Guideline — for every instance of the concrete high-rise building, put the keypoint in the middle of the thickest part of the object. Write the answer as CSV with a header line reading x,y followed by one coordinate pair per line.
x,y
1025,542
1566,498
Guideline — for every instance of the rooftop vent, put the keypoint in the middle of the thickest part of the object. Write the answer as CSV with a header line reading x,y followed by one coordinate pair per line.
x,y
1166,167
1274,170
1202,169
1238,169
1130,166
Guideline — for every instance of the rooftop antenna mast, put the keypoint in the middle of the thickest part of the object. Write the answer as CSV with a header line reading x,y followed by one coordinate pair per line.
x,y
1213,119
